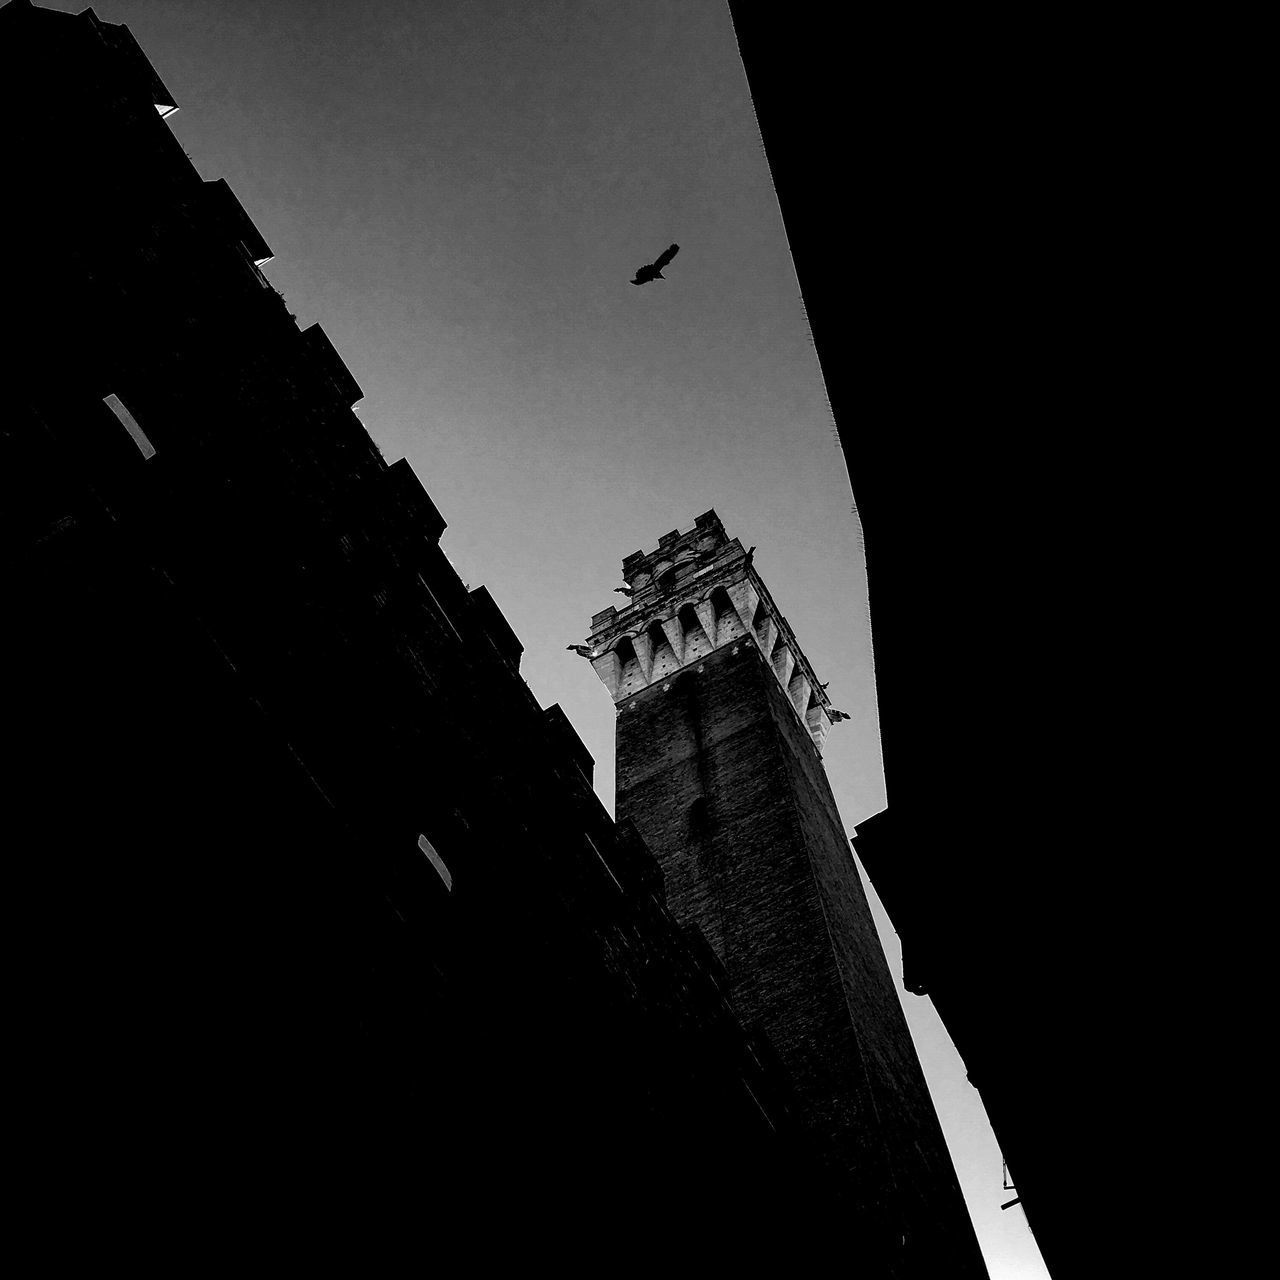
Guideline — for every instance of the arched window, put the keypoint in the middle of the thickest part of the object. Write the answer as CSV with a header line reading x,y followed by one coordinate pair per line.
x,y
728,626
699,817
630,673
688,619
664,658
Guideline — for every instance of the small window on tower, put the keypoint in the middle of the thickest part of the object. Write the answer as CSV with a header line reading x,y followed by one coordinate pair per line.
x,y
130,424
436,861
699,817
688,619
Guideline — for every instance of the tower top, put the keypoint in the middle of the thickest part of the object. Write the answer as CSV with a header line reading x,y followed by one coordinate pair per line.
x,y
698,592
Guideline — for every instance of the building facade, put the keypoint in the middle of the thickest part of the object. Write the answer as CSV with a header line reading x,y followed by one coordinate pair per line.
x,y
721,723
1001,475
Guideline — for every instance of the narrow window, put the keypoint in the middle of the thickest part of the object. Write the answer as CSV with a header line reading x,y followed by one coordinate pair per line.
x,y
699,818
436,861
130,424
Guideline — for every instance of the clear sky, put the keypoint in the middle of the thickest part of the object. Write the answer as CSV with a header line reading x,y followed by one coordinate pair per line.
x,y
460,192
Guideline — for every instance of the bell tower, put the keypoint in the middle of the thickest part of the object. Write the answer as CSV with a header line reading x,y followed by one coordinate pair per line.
x,y
720,730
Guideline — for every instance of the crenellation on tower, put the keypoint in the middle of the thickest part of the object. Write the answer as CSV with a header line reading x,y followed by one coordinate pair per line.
x,y
695,593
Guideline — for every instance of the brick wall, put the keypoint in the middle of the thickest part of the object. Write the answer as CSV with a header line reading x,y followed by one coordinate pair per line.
x,y
724,784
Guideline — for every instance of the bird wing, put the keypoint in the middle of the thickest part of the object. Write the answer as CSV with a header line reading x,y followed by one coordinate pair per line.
x,y
666,255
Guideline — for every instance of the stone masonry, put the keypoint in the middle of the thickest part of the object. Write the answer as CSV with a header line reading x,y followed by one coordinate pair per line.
x,y
721,721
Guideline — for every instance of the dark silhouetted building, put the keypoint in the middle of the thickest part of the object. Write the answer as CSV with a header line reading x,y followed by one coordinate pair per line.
x,y
318,915
721,722
981,322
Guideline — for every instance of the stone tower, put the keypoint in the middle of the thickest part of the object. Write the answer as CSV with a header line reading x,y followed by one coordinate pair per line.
x,y
721,725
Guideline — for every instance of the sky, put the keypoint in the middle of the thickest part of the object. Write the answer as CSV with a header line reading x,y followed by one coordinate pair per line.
x,y
459,192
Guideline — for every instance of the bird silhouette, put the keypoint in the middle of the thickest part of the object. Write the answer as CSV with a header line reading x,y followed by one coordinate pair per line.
x,y
580,649
653,271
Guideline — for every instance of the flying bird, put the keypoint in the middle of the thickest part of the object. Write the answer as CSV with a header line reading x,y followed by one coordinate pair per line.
x,y
654,270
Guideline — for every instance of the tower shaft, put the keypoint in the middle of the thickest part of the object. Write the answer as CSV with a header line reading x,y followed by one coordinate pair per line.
x,y
720,725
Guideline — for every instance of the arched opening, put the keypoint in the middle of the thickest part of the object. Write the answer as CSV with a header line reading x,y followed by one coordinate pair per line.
x,y
784,665
799,690
727,623
630,673
697,642
699,816
663,655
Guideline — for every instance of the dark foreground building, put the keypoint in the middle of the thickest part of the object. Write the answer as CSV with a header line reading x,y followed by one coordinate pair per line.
x,y
976,306
318,914
318,920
